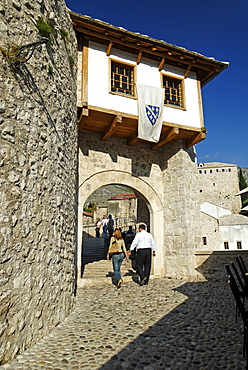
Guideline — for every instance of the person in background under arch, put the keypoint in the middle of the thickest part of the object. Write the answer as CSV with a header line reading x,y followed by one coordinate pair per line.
x,y
118,257
110,225
97,228
145,248
105,226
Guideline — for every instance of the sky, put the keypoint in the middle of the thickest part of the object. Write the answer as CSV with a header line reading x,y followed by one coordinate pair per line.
x,y
214,28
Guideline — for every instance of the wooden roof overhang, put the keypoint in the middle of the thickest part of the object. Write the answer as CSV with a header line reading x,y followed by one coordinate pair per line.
x,y
118,124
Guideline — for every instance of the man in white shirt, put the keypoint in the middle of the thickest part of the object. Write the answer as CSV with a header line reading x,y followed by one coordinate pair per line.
x,y
145,248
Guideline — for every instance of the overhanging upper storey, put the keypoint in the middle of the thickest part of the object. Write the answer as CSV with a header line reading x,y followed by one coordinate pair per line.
x,y
112,60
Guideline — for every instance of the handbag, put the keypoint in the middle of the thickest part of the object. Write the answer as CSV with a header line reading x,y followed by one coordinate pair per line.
x,y
114,248
133,254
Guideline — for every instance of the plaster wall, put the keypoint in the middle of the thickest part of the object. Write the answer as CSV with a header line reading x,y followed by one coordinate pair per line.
x,y
232,234
146,74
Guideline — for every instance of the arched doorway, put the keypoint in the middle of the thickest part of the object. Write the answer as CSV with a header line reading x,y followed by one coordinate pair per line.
x,y
146,193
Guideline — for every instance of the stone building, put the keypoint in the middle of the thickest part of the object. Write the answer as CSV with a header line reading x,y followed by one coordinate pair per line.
x,y
123,208
39,187
111,63
222,227
219,184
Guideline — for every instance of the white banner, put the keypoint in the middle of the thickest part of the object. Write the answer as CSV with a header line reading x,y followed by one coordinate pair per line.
x,y
150,107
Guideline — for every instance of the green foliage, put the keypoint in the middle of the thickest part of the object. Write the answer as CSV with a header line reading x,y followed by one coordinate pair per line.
x,y
11,53
243,185
71,61
64,34
44,28
87,209
50,70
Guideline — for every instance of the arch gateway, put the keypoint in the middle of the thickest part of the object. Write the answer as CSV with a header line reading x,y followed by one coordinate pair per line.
x,y
112,64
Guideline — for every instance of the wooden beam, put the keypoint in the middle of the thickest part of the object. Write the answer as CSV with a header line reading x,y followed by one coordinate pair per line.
x,y
187,71
207,77
132,139
85,54
166,138
81,121
139,57
108,52
175,55
111,127
161,64
195,139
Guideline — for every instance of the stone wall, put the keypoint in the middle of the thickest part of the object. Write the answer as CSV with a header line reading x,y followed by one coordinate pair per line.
x,y
182,210
210,230
245,173
219,184
211,264
38,162
167,181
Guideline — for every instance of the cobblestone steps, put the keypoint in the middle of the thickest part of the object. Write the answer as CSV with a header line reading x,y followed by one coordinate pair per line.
x,y
101,272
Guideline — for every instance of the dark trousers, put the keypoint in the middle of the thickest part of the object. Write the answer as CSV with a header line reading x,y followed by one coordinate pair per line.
x,y
143,262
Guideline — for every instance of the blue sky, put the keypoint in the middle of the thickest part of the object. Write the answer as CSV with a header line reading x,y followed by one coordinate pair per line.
x,y
214,28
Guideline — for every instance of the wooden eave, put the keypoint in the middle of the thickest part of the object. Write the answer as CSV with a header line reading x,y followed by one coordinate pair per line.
x,y
110,123
144,46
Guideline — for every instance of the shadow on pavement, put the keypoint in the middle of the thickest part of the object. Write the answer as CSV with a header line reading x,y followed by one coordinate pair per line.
x,y
201,333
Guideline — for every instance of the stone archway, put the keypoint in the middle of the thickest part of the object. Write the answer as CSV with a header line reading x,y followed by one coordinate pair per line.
x,y
151,198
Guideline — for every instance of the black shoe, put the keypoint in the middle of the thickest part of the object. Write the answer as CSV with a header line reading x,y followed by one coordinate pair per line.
x,y
119,283
143,281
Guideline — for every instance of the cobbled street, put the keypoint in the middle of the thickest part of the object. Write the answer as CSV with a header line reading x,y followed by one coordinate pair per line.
x,y
168,324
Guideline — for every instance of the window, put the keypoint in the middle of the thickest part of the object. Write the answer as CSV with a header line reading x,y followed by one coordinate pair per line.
x,y
226,245
122,78
204,240
200,171
210,171
239,245
173,91
200,190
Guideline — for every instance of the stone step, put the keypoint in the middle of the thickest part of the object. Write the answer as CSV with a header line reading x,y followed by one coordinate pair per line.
x,y
101,273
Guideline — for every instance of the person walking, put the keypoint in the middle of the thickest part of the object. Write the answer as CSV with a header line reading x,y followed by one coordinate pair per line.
x,y
145,248
110,225
105,226
117,245
97,228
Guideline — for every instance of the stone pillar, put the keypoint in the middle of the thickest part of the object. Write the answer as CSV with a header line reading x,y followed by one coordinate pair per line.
x,y
182,210
38,168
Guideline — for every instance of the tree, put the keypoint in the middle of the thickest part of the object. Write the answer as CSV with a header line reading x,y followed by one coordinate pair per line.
x,y
243,185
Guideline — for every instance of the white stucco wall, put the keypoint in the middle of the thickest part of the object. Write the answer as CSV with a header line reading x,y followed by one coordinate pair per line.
x,y
213,210
147,73
232,234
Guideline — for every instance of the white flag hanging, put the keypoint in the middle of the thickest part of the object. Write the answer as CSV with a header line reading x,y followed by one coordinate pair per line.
x,y
150,106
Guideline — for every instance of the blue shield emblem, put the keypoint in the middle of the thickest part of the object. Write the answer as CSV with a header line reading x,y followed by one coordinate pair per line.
x,y
152,113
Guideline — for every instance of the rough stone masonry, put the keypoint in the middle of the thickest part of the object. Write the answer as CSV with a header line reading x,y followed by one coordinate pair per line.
x,y
38,160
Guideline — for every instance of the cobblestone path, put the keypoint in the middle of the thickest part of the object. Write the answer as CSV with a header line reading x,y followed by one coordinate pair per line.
x,y
169,324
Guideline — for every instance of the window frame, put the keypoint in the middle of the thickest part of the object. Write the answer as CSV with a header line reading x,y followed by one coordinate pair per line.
x,y
175,79
239,244
125,64
226,245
